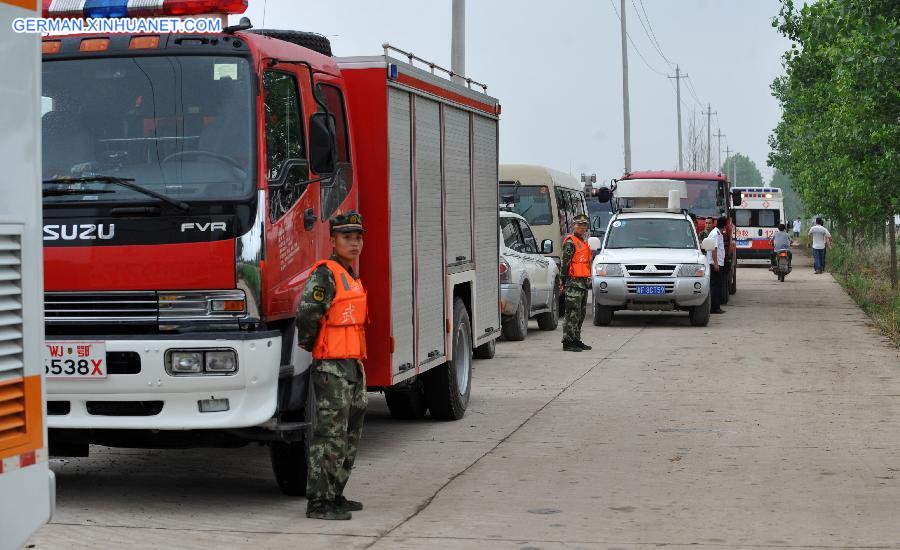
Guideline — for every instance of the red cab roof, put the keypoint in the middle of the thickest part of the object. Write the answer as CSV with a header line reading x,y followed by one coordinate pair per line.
x,y
674,174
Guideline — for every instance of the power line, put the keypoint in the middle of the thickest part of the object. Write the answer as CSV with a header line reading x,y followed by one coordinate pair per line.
x,y
653,34
633,45
647,34
693,92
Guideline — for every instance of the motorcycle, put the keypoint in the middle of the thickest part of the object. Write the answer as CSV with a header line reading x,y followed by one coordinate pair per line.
x,y
782,265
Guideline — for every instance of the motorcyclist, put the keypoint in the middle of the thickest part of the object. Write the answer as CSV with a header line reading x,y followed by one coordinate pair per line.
x,y
781,241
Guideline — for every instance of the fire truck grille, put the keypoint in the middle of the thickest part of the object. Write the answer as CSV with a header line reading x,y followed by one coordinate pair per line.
x,y
82,307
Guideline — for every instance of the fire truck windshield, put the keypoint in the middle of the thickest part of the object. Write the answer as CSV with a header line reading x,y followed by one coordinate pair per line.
x,y
705,198
178,125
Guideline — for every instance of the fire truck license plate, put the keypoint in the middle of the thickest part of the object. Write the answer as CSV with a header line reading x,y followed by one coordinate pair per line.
x,y
744,243
86,360
651,289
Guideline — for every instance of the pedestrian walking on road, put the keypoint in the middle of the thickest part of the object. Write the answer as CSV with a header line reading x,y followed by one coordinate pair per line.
x,y
716,258
330,324
576,273
797,226
821,239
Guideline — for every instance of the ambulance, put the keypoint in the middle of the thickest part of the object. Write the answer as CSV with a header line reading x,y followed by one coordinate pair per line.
x,y
756,221
26,483
189,180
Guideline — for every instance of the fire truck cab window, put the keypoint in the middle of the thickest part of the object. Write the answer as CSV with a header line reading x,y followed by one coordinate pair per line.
x,y
333,195
179,125
288,167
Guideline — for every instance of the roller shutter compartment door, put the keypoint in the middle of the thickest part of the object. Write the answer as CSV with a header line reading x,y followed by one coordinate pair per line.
x,y
458,185
486,219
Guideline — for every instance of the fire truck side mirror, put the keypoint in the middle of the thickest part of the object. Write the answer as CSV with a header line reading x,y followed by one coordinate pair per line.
x,y
322,146
736,197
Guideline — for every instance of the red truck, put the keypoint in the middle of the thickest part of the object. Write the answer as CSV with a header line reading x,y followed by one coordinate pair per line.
x,y
188,183
709,195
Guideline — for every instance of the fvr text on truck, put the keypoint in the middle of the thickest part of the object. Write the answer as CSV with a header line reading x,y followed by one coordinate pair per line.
x,y
189,180
708,195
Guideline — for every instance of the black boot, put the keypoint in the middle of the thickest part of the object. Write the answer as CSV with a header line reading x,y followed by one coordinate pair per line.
x,y
349,505
326,510
571,346
583,346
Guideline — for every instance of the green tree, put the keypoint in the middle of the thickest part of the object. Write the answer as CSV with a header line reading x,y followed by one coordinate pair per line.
x,y
839,135
741,171
793,204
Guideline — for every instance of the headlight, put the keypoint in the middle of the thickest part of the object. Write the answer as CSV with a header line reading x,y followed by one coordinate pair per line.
x,y
208,305
185,362
609,270
221,361
691,270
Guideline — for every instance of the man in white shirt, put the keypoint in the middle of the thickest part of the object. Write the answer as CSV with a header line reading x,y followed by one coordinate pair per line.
x,y
716,259
797,227
821,238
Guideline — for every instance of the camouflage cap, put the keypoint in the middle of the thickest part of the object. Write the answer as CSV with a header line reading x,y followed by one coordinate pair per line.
x,y
580,218
348,222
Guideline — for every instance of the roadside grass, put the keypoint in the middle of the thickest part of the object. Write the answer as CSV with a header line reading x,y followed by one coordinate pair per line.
x,y
863,272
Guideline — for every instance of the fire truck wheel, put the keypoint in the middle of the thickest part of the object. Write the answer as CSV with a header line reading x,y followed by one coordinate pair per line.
x,y
407,403
486,351
515,328
603,315
732,285
550,320
725,294
699,315
290,460
448,386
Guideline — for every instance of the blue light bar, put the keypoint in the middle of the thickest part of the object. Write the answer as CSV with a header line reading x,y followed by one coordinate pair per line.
x,y
105,8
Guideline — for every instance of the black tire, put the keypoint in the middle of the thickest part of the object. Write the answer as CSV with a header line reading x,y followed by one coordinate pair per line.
x,y
290,462
699,315
732,285
442,392
781,277
603,315
486,350
550,320
407,403
515,328
313,41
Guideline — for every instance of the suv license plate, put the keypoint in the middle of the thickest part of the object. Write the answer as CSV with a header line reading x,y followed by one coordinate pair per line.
x,y
81,360
651,290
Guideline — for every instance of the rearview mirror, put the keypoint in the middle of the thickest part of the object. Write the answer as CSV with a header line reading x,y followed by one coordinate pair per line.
x,y
595,243
547,246
708,244
322,147
736,199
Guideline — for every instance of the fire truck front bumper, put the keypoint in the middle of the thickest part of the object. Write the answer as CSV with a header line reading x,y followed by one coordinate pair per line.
x,y
142,390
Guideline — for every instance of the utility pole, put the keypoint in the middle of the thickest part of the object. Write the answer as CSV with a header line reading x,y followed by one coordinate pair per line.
x,y
709,113
458,41
719,135
625,111
678,76
728,156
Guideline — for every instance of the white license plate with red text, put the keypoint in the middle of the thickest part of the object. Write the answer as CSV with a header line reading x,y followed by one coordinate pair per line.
x,y
83,360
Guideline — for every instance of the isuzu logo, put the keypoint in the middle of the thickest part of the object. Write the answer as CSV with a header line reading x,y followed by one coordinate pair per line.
x,y
79,232
210,226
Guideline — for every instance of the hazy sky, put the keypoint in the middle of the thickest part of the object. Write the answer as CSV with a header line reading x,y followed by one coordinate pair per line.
x,y
556,68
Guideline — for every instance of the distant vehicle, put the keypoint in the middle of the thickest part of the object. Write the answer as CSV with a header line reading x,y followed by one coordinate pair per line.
x,y
708,194
650,260
756,220
528,279
27,484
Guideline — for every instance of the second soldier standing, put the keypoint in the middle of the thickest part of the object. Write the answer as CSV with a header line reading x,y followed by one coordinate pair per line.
x,y
576,273
331,321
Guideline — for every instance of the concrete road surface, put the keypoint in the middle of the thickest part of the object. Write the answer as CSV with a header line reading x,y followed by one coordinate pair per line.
x,y
777,426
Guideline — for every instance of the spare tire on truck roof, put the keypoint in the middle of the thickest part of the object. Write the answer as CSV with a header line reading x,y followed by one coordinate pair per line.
x,y
314,41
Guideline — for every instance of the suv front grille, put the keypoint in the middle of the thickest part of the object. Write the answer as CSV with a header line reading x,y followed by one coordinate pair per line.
x,y
658,270
105,307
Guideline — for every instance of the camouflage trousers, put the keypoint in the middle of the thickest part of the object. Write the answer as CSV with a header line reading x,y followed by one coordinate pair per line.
x,y
576,304
340,411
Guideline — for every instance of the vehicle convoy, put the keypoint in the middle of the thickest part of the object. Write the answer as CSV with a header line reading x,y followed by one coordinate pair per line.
x,y
708,194
650,259
188,184
756,221
27,484
528,280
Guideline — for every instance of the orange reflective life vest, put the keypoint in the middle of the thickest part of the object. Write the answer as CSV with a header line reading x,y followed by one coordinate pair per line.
x,y
342,333
580,266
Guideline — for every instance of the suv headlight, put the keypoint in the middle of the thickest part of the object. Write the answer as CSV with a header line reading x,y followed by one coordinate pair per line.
x,y
691,270
609,270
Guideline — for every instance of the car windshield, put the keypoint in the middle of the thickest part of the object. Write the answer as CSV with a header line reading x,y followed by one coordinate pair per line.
x,y
532,202
600,214
705,198
179,125
651,233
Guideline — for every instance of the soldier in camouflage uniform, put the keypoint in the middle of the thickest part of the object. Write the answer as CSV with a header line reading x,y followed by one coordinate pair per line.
x,y
709,224
333,302
576,274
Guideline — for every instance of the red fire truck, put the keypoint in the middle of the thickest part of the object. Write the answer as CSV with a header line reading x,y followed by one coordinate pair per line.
x,y
709,195
188,183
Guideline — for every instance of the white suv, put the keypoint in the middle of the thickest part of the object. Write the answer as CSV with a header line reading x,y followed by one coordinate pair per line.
x,y
528,279
650,261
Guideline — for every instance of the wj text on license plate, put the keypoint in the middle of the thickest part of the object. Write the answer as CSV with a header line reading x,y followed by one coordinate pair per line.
x,y
651,289
83,360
